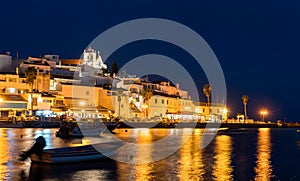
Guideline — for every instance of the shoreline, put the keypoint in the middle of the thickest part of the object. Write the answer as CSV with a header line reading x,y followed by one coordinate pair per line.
x,y
132,125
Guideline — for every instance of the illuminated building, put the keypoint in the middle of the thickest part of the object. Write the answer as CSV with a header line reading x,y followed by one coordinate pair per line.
x,y
214,112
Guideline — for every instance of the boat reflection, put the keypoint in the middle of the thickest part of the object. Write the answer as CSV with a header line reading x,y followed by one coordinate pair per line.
x,y
102,170
222,169
263,167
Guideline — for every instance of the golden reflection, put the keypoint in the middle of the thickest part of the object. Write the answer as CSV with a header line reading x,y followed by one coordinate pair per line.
x,y
3,154
222,169
263,167
190,163
143,154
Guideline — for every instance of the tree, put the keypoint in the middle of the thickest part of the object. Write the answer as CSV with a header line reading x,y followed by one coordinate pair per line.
x,y
245,100
114,69
207,92
147,95
30,75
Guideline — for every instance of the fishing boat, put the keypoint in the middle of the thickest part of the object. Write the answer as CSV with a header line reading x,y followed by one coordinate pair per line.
x,y
73,129
69,154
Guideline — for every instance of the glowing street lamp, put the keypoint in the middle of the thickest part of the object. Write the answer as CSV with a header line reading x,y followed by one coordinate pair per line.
x,y
263,114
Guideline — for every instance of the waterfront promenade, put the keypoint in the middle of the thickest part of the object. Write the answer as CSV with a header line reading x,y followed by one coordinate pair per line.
x,y
56,124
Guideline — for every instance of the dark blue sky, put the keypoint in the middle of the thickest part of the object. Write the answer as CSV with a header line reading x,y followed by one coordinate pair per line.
x,y
256,42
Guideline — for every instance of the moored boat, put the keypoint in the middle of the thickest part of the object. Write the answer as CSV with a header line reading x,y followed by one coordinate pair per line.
x,y
73,129
233,131
76,154
70,154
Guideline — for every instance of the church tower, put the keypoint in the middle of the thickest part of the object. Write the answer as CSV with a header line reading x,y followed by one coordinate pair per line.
x,y
93,59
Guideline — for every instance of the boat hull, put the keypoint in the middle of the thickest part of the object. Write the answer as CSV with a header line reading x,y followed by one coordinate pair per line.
x,y
77,154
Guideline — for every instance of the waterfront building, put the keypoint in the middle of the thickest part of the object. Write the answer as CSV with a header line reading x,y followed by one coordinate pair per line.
x,y
89,101
12,83
213,112
167,101
12,105
42,103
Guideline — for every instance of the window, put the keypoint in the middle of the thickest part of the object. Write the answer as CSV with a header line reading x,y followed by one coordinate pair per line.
x,y
59,102
47,101
11,90
155,101
163,101
167,102
12,80
34,101
203,110
87,93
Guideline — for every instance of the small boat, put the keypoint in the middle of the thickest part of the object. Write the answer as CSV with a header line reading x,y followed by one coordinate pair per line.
x,y
73,129
69,154
234,131
298,131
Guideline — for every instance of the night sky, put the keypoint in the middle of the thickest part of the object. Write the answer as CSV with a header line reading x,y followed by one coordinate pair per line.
x,y
256,42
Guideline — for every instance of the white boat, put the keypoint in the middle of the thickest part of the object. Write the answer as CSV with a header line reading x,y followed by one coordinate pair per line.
x,y
76,154
84,129
69,154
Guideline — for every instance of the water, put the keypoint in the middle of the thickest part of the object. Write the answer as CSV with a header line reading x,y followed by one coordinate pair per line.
x,y
268,154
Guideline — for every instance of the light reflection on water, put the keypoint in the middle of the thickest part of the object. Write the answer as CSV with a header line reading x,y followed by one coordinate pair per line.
x,y
222,167
263,168
215,162
190,163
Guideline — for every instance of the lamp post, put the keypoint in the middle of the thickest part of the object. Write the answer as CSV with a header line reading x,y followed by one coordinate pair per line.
x,y
263,114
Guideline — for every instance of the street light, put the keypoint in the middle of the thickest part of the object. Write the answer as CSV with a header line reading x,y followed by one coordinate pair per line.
x,y
263,114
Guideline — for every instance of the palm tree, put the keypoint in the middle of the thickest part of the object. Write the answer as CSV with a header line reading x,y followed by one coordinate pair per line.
x,y
245,100
31,74
207,91
147,95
